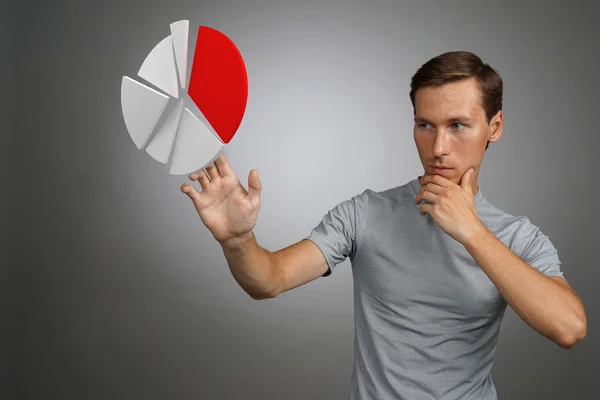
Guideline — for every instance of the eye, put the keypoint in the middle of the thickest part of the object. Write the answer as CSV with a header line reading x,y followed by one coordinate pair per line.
x,y
423,125
457,129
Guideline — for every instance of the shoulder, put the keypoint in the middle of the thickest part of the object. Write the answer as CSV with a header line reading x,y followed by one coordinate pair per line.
x,y
526,238
502,222
518,232
387,199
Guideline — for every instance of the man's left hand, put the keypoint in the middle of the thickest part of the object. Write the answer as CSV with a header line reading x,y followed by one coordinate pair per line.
x,y
451,206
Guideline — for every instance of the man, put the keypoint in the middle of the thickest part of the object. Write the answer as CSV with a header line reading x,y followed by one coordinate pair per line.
x,y
434,262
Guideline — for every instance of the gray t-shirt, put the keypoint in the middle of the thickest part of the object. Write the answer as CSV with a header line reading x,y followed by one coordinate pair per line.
x,y
426,316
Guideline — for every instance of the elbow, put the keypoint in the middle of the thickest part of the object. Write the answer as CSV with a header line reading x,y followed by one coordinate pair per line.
x,y
257,296
578,333
270,288
568,343
264,295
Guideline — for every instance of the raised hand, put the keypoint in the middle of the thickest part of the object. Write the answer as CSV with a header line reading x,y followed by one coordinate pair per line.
x,y
224,206
451,205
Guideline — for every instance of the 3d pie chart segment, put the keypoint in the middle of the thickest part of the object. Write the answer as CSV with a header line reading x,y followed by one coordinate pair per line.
x,y
180,32
195,145
142,107
218,82
159,67
162,143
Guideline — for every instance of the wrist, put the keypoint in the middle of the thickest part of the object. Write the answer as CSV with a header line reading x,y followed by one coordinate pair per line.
x,y
478,234
237,241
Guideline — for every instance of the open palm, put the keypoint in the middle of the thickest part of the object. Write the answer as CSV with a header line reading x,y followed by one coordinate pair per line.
x,y
224,206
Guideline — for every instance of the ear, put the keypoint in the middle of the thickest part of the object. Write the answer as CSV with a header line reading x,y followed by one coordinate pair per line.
x,y
496,127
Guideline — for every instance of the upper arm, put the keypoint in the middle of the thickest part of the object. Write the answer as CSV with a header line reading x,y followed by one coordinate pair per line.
x,y
298,264
328,244
562,281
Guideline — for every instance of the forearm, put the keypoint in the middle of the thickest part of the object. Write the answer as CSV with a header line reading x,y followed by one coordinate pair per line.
x,y
553,310
252,266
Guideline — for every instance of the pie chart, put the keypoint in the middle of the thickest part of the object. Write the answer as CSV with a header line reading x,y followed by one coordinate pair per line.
x,y
155,111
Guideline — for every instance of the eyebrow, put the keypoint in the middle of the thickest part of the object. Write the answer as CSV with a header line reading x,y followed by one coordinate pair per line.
x,y
451,119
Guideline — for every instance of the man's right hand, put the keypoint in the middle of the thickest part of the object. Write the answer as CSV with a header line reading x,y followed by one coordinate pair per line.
x,y
229,212
224,206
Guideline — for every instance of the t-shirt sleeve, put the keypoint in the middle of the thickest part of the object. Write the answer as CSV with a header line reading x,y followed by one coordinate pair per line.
x,y
540,253
336,234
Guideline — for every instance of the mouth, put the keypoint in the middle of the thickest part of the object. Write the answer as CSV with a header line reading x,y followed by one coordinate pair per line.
x,y
442,169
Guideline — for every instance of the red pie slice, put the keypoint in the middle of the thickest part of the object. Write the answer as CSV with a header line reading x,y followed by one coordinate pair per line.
x,y
218,82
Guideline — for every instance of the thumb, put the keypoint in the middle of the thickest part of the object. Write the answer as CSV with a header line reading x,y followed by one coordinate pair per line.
x,y
465,182
254,186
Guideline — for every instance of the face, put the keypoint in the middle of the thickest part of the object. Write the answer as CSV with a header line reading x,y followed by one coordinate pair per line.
x,y
451,129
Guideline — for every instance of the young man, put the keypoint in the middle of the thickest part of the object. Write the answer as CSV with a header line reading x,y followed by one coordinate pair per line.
x,y
434,262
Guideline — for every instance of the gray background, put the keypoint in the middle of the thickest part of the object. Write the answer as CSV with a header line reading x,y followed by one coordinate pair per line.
x,y
117,290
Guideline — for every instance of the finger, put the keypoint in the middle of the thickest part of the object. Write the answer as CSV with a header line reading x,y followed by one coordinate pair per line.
x,y
433,187
437,180
201,177
196,197
190,191
223,166
213,172
425,208
427,196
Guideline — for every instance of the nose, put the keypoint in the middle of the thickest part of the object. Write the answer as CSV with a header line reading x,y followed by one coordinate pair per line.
x,y
441,144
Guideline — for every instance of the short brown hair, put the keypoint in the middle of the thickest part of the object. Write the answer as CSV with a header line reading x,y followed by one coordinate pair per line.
x,y
458,65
